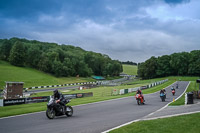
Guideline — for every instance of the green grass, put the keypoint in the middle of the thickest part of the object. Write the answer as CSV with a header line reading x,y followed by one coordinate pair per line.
x,y
32,77
130,69
183,78
179,124
99,94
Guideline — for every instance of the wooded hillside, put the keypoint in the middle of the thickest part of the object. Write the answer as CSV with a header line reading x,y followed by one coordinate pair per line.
x,y
59,60
176,64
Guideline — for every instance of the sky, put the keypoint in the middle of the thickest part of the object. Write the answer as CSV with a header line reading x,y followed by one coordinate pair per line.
x,y
125,30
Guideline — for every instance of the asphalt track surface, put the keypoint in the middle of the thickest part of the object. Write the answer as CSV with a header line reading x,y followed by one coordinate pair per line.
x,y
90,118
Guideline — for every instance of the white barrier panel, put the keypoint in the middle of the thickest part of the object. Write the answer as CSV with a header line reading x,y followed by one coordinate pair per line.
x,y
1,102
185,98
81,88
149,85
121,91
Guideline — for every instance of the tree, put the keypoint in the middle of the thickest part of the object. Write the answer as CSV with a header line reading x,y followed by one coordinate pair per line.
x,y
5,49
141,70
33,55
179,63
150,68
163,66
194,66
17,54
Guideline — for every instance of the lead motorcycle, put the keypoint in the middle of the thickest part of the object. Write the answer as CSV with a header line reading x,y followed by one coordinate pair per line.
x,y
139,99
55,109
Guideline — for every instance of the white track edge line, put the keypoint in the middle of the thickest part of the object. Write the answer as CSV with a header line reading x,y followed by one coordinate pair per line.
x,y
167,116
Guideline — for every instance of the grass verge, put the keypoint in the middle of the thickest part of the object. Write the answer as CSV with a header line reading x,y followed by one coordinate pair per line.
x,y
179,124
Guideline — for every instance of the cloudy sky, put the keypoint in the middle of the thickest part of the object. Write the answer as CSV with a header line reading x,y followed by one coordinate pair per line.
x,y
125,30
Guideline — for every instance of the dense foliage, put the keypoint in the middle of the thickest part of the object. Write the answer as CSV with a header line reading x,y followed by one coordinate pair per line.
x,y
59,60
177,64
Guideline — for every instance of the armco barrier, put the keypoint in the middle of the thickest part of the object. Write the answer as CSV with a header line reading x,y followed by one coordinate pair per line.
x,y
60,85
7,102
124,91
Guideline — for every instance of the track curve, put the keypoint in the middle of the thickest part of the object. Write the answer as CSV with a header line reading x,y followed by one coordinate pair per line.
x,y
90,118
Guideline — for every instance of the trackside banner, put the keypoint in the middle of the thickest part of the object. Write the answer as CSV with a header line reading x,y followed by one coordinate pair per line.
x,y
78,95
36,99
7,102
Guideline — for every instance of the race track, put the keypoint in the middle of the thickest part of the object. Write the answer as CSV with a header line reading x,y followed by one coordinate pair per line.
x,y
90,118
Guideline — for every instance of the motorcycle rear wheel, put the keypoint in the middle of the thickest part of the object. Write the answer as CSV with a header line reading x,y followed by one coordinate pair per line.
x,y
50,113
163,99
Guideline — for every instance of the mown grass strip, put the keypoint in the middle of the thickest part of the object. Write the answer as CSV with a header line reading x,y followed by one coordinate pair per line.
x,y
130,69
178,124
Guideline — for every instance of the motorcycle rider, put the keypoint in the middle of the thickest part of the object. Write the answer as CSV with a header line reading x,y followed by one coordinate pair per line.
x,y
176,86
60,99
140,92
162,91
172,88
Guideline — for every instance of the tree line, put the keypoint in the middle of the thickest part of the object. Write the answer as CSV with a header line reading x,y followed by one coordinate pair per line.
x,y
129,63
59,60
176,64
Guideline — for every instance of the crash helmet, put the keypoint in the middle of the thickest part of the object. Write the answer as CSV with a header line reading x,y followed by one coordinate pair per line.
x,y
55,92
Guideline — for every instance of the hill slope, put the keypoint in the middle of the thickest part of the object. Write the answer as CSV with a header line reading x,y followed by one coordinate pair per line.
x,y
129,69
31,77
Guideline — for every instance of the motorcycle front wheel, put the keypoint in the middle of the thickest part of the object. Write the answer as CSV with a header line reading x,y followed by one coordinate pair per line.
x,y
50,113
138,101
69,111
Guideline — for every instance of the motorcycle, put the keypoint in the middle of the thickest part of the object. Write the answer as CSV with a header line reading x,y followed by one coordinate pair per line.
x,y
139,99
163,96
55,109
173,92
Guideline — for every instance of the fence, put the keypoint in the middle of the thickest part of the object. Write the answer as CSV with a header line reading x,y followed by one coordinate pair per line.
x,y
49,86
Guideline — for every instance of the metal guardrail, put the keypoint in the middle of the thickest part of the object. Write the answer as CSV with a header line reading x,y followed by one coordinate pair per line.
x,y
7,102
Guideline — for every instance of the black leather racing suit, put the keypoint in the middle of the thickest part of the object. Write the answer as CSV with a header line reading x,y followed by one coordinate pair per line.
x,y
59,96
